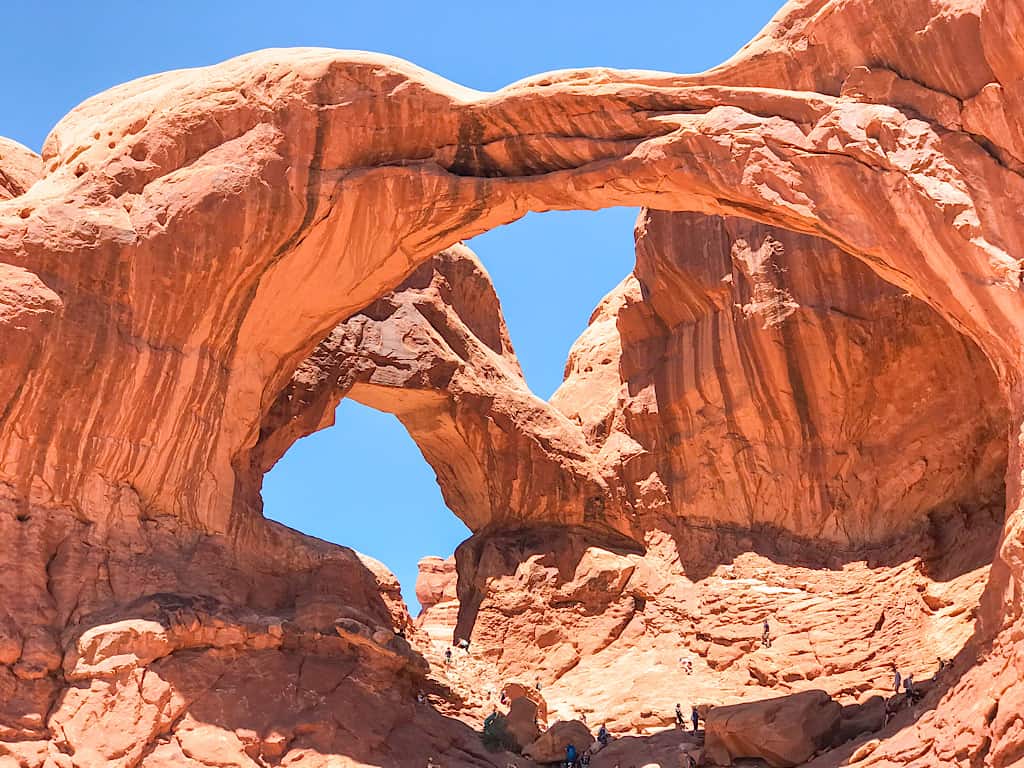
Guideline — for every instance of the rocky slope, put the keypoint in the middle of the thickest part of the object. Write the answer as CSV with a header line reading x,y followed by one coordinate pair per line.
x,y
189,239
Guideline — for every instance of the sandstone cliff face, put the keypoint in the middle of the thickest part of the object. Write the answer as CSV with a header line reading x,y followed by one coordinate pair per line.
x,y
751,377
193,237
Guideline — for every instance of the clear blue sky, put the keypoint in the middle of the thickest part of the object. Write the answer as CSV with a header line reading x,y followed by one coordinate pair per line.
x,y
363,483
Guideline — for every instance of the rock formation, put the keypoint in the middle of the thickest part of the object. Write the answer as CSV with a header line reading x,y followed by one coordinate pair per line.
x,y
785,732
188,240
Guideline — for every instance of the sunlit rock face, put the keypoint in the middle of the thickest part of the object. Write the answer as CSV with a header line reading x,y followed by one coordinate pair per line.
x,y
187,240
750,377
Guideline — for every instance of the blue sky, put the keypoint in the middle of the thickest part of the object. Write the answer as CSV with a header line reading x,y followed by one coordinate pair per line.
x,y
363,483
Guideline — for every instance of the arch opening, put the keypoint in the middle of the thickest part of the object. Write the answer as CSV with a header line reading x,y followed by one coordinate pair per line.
x,y
815,387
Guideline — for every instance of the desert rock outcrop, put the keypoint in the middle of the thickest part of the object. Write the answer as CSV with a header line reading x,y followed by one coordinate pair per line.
x,y
784,732
187,240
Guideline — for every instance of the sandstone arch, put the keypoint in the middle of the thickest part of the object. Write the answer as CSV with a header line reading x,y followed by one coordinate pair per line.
x,y
175,215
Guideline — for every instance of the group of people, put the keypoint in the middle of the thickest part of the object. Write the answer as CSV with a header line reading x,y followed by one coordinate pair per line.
x,y
694,717
462,644
573,758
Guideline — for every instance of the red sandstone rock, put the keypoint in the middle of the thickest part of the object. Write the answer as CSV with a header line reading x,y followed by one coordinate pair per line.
x,y
20,167
193,237
550,747
784,732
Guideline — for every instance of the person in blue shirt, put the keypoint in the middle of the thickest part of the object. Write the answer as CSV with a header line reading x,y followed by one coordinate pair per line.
x,y
570,755
695,717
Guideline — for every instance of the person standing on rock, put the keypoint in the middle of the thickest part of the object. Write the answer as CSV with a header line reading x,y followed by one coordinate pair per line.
x,y
695,717
570,755
603,736
766,635
908,687
896,679
447,656
679,716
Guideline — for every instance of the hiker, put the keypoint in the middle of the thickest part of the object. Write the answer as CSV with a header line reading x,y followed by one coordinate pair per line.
x,y
504,698
570,755
447,656
679,716
695,717
908,687
537,684
603,736
464,645
585,759
766,635
896,679
489,720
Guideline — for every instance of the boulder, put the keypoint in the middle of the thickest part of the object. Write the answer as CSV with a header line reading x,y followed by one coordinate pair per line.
x,y
516,690
858,719
785,731
521,721
550,747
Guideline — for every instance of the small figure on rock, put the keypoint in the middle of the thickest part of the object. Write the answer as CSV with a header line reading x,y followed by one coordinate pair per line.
x,y
464,645
447,655
537,684
695,717
603,736
570,755
679,716
585,759
896,679
504,698
420,697
908,688
766,634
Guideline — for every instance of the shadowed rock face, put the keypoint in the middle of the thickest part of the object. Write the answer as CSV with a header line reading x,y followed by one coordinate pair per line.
x,y
193,237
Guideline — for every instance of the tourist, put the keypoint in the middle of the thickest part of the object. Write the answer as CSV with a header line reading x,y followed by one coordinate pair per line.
x,y
695,717
447,656
896,679
766,635
585,759
679,716
908,687
570,755
603,736
464,645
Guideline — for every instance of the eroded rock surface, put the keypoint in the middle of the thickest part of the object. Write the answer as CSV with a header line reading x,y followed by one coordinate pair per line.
x,y
784,732
186,241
